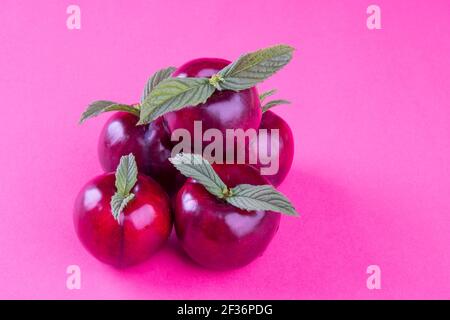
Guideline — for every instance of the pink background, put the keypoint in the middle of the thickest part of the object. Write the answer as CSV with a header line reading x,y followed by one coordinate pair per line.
x,y
371,117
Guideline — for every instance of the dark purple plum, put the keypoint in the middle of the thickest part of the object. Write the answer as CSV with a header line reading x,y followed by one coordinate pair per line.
x,y
284,150
216,234
144,227
150,144
223,110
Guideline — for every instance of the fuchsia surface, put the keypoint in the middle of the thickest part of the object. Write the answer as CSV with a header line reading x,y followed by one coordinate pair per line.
x,y
370,114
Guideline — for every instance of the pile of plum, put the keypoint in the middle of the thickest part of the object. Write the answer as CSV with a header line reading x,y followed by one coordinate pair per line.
x,y
152,193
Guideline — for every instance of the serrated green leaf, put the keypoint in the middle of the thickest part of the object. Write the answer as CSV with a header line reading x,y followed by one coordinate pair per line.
x,y
118,204
101,106
196,167
243,196
266,94
262,197
126,178
155,79
253,68
126,174
274,103
173,94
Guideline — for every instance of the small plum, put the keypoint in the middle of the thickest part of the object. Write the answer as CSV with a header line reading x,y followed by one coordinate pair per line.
x,y
145,223
216,234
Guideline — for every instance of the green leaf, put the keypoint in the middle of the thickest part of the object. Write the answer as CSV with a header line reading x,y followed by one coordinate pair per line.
x,y
262,197
155,79
266,94
126,178
173,94
253,68
243,196
101,106
196,167
274,103
126,174
118,204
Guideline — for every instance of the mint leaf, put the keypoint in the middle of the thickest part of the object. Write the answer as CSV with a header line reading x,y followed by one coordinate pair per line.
x,y
262,197
243,196
253,68
98,107
118,204
126,174
155,79
196,167
266,94
173,94
126,178
274,103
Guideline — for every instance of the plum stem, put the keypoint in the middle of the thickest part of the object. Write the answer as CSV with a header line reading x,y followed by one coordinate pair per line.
x,y
215,80
226,193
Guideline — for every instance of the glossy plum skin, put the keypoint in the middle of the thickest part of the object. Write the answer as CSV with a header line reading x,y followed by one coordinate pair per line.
x,y
284,152
218,235
223,110
150,145
145,223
